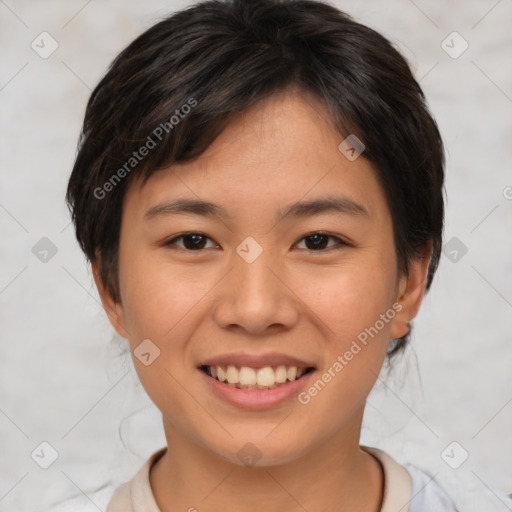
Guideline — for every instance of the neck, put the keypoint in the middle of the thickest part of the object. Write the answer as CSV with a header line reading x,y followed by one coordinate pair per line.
x,y
337,475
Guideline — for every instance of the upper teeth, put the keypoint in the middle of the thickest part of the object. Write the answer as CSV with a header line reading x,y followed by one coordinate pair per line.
x,y
246,376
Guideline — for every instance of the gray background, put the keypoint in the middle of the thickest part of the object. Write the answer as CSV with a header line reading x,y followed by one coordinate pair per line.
x,y
63,377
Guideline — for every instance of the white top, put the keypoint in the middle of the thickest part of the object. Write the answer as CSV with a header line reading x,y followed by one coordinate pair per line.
x,y
406,490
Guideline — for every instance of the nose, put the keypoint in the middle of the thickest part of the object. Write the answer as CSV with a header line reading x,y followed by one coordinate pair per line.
x,y
256,297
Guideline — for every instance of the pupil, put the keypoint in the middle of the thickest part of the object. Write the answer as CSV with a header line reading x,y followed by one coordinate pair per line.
x,y
196,241
317,241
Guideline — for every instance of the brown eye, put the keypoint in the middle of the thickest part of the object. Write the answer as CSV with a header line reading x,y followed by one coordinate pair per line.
x,y
194,241
190,241
319,241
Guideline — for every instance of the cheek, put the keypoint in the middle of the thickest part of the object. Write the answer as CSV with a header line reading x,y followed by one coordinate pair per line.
x,y
161,304
348,298
355,302
354,346
157,297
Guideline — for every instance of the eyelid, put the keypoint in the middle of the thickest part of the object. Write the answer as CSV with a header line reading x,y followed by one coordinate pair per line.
x,y
341,242
171,241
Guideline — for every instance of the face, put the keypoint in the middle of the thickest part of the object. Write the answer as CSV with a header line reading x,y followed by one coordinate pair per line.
x,y
291,263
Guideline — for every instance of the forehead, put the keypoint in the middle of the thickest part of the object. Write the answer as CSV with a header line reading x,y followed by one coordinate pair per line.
x,y
281,151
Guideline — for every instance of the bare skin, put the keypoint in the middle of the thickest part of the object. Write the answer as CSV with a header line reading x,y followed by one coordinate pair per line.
x,y
199,303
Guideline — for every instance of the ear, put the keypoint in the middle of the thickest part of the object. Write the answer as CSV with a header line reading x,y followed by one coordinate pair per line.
x,y
410,292
114,310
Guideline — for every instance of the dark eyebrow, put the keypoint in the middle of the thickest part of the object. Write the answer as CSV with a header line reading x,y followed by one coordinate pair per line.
x,y
340,204
194,206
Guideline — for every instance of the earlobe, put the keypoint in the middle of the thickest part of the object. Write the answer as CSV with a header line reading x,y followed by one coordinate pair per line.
x,y
114,310
411,292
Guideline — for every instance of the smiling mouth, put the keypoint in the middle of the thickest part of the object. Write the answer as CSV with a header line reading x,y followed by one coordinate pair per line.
x,y
268,377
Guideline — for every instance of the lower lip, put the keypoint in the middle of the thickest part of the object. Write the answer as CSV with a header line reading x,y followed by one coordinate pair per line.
x,y
256,399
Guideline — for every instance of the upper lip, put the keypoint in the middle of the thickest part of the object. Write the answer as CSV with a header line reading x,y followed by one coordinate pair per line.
x,y
256,360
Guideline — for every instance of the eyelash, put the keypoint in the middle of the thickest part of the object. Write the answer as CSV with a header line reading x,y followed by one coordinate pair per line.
x,y
340,245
